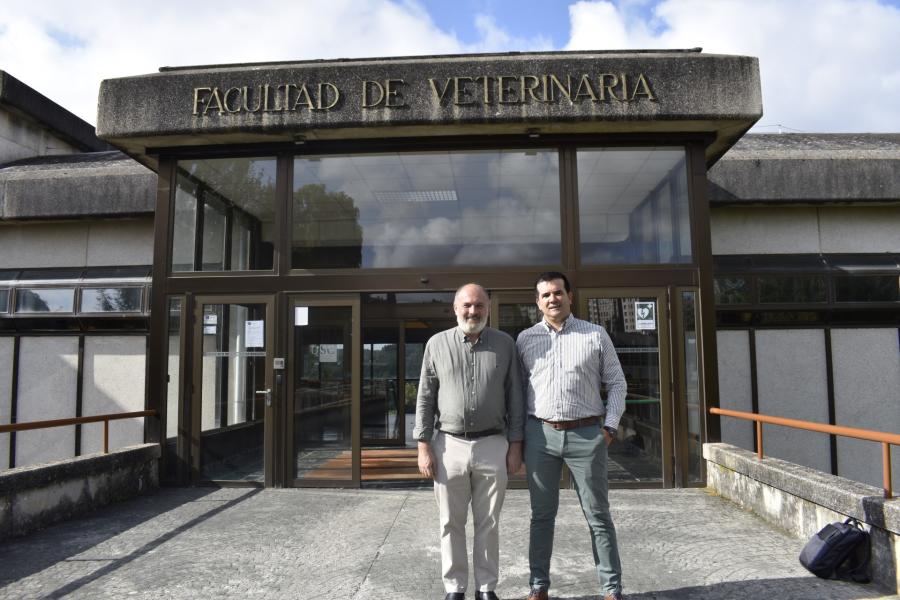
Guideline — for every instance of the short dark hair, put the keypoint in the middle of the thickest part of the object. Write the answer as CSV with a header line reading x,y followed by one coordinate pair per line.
x,y
548,276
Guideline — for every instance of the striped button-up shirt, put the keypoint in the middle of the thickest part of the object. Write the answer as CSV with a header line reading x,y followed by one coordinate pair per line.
x,y
470,387
562,372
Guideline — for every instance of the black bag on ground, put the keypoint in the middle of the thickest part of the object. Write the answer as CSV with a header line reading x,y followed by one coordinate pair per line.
x,y
839,550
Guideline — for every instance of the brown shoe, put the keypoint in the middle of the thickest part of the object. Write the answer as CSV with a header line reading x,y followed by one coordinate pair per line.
x,y
614,596
538,594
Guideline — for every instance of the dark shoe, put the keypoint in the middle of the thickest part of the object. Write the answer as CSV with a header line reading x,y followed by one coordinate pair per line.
x,y
486,596
455,596
538,594
614,596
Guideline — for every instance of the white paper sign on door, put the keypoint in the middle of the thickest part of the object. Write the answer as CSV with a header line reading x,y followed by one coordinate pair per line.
x,y
254,334
644,316
328,353
301,315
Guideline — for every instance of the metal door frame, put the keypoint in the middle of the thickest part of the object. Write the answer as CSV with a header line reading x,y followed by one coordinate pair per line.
x,y
196,405
351,300
666,384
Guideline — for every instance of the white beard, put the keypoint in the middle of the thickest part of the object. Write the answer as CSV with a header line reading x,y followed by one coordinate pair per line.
x,y
470,327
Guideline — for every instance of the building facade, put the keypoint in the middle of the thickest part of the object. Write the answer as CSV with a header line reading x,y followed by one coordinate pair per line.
x,y
312,220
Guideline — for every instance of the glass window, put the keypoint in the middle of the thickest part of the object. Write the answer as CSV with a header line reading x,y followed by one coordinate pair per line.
x,y
868,288
102,300
4,301
494,207
732,290
633,206
691,378
35,300
791,288
215,197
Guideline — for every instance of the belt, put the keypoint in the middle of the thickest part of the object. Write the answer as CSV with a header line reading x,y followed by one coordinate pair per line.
x,y
474,435
564,425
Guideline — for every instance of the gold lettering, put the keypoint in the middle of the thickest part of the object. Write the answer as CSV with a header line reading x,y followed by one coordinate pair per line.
x,y
585,83
645,85
565,89
214,95
486,82
324,88
523,87
604,87
267,107
246,101
197,98
367,86
503,91
459,91
391,91
225,97
439,94
303,98
287,95
624,83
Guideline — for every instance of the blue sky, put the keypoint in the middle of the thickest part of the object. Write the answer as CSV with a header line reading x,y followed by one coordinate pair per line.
x,y
826,65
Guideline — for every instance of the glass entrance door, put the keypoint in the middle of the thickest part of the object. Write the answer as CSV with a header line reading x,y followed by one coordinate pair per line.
x,y
323,398
637,322
232,402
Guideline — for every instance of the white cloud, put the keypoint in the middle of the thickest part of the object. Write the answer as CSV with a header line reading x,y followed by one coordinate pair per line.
x,y
825,65
132,38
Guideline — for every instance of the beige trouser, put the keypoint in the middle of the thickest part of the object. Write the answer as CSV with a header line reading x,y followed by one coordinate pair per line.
x,y
470,471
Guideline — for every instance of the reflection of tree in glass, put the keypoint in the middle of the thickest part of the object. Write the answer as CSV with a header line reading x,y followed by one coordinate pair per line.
x,y
33,302
113,300
247,183
327,233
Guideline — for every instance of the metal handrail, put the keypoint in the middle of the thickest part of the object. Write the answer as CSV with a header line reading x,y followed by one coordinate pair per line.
x,y
30,425
870,435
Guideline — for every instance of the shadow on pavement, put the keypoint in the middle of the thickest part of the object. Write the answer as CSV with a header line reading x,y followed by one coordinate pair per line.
x,y
62,541
794,588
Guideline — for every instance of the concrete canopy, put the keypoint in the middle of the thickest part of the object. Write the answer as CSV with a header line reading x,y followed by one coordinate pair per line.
x,y
681,91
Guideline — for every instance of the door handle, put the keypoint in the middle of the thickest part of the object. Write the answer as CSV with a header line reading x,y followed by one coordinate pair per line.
x,y
268,394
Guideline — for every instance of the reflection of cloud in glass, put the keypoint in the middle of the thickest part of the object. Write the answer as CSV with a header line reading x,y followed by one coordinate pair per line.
x,y
454,208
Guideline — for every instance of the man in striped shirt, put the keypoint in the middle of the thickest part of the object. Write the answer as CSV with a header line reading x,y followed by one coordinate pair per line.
x,y
565,361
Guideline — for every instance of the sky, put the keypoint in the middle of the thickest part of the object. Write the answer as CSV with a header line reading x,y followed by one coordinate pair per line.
x,y
825,65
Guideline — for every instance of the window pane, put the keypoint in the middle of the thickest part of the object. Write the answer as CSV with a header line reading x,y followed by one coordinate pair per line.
x,y
870,288
235,193
185,228
633,206
429,208
732,290
213,251
60,300
110,300
173,382
4,301
796,288
691,378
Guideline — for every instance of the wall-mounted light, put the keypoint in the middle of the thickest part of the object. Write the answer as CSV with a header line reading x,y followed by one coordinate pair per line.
x,y
533,132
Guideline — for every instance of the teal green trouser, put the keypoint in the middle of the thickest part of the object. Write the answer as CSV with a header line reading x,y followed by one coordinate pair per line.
x,y
584,451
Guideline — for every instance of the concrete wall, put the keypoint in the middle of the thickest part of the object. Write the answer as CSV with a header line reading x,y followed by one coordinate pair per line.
x,y
797,230
802,501
48,374
735,390
117,242
34,497
114,375
6,360
867,395
20,138
792,382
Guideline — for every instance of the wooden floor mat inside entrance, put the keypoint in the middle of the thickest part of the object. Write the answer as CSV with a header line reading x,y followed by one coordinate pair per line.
x,y
400,464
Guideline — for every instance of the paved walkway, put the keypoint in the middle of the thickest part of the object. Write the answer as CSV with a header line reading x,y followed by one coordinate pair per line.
x,y
334,545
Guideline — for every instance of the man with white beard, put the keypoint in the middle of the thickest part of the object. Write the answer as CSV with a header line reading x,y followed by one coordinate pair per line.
x,y
469,427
